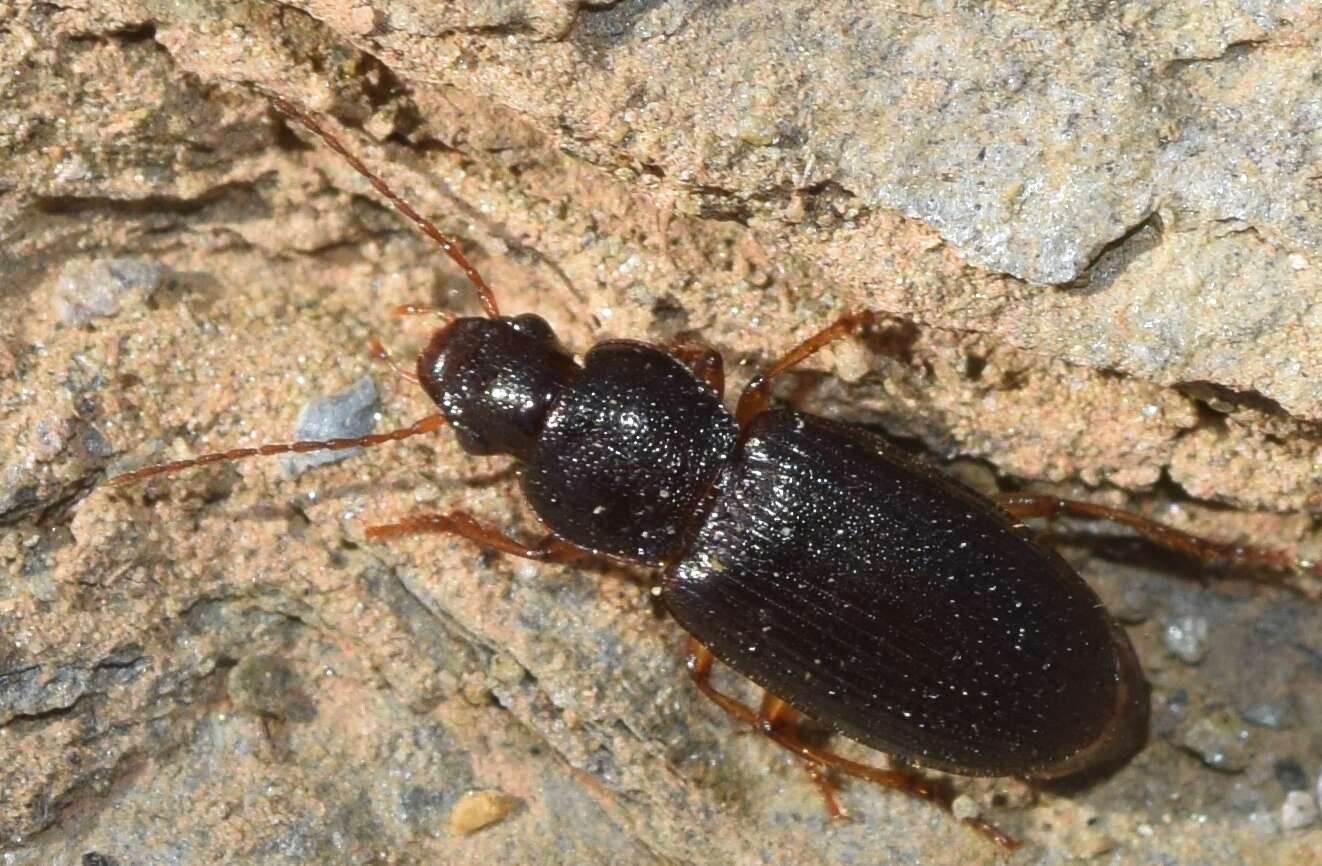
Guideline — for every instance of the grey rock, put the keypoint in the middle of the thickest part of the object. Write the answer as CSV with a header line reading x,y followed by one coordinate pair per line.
x,y
33,691
345,415
1219,741
101,287
1186,638
1299,810
1267,715
1029,167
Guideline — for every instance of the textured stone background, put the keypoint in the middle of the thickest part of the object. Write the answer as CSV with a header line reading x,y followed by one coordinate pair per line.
x,y
1100,224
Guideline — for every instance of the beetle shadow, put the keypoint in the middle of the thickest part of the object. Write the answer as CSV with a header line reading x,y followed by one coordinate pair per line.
x,y
1134,552
1129,550
1126,737
1081,781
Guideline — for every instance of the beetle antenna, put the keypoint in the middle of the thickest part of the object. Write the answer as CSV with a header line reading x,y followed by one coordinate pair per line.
x,y
426,425
448,244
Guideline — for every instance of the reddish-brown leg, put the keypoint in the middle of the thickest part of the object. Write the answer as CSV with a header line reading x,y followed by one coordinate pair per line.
x,y
775,714
461,523
700,661
1203,549
757,394
705,362
379,352
426,425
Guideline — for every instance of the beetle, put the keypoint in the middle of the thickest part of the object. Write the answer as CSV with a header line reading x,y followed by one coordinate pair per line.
x,y
855,585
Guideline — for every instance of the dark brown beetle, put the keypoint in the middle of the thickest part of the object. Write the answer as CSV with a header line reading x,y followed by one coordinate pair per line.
x,y
855,585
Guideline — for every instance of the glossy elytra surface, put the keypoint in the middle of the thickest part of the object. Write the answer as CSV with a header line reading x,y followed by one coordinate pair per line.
x,y
902,609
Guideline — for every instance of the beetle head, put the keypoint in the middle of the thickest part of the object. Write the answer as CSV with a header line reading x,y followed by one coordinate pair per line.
x,y
495,379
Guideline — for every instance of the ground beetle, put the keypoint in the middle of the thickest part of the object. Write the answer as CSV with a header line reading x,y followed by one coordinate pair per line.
x,y
856,585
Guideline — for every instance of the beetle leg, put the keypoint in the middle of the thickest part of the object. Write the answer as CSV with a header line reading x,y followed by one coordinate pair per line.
x,y
757,393
1204,549
700,661
380,353
549,549
775,713
705,362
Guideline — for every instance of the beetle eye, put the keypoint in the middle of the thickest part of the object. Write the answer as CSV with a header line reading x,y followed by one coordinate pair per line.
x,y
532,325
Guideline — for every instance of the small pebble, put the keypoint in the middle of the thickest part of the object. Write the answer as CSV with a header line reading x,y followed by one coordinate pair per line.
x,y
95,443
1087,843
473,688
479,809
1186,638
965,807
850,361
1134,607
758,130
101,287
350,413
506,669
1298,811
380,125
1266,715
1219,741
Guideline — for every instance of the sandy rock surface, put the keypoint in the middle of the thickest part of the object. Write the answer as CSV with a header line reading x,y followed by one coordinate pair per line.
x,y
1098,228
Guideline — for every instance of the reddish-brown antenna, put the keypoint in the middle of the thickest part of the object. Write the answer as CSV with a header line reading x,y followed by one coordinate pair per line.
x,y
447,243
426,425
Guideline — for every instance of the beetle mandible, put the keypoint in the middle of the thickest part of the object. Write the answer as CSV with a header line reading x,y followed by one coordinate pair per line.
x,y
855,585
